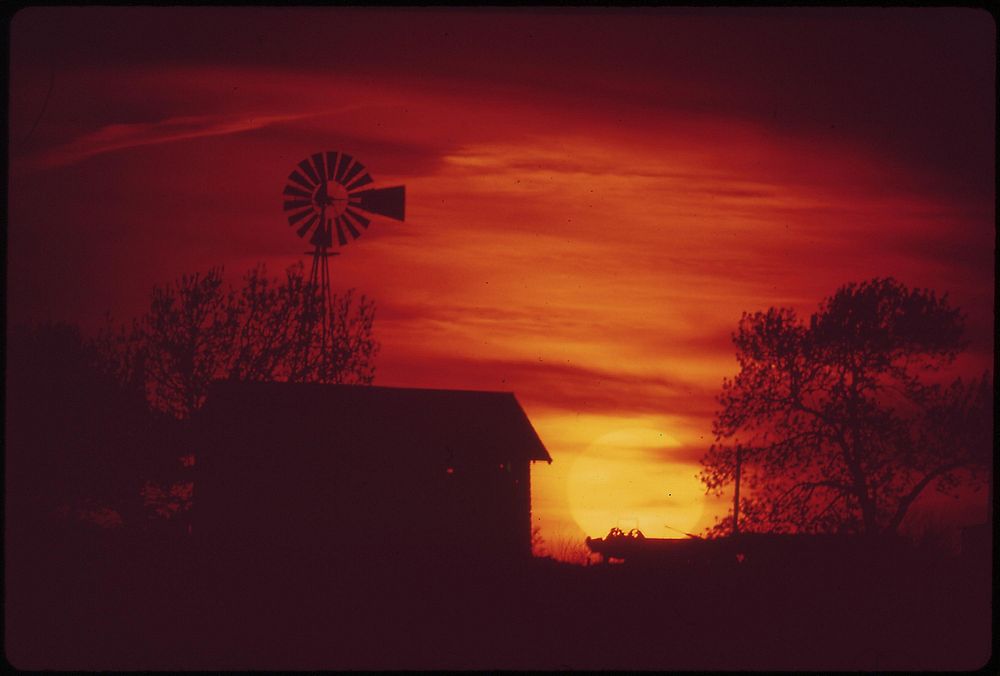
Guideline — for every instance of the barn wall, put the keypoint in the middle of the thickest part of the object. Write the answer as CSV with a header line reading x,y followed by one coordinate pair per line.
x,y
297,489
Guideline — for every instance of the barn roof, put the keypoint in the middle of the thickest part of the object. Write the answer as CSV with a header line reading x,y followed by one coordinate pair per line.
x,y
490,424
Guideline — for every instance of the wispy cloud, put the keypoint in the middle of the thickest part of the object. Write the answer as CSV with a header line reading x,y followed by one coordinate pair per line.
x,y
114,137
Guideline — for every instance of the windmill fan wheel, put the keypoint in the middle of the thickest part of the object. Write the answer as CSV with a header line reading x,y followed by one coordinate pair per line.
x,y
329,192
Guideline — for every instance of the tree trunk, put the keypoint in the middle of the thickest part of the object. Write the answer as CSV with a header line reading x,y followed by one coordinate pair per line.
x,y
868,513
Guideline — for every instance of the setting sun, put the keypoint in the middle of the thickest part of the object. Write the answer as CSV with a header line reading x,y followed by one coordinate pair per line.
x,y
625,479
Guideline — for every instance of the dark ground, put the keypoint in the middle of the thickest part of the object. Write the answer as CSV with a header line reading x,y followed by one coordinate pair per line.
x,y
103,601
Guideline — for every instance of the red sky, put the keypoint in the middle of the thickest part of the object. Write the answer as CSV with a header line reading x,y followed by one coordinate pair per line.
x,y
593,196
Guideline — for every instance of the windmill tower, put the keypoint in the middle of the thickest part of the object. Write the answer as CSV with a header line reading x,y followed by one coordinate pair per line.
x,y
329,193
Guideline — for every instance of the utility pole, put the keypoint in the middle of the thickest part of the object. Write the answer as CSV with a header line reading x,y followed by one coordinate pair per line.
x,y
736,492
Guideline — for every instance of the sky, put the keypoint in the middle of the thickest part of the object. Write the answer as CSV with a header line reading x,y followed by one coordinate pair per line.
x,y
594,196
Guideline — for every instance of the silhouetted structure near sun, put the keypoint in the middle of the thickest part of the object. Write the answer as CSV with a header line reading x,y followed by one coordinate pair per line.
x,y
749,549
348,473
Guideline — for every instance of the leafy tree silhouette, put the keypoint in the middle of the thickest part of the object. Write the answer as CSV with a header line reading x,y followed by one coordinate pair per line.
x,y
197,330
838,423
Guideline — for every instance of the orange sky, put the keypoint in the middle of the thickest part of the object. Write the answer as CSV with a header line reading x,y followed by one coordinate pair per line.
x,y
593,197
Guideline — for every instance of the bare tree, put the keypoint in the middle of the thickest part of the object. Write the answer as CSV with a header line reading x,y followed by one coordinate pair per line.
x,y
198,330
187,338
836,424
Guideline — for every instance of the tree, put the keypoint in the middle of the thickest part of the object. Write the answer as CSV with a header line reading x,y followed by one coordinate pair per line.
x,y
186,340
197,331
838,425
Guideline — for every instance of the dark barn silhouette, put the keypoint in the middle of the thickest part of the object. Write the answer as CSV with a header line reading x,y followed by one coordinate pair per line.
x,y
348,475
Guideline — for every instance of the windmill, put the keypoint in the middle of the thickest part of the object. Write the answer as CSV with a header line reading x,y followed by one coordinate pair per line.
x,y
329,193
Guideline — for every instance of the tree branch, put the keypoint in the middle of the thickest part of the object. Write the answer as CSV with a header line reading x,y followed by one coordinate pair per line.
x,y
904,504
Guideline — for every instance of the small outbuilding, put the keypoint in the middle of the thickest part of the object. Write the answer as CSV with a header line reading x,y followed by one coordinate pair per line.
x,y
364,472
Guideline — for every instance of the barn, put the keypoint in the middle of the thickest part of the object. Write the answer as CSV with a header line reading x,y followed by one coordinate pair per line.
x,y
364,473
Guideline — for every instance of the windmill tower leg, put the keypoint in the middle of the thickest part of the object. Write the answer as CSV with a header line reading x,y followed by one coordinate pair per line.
x,y
319,349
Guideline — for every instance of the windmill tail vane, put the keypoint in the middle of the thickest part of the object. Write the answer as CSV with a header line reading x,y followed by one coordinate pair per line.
x,y
331,193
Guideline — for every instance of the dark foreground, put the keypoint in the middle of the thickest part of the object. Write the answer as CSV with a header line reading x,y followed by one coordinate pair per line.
x,y
111,603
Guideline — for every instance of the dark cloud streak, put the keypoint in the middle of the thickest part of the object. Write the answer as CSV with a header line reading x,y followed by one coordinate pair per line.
x,y
915,84
567,386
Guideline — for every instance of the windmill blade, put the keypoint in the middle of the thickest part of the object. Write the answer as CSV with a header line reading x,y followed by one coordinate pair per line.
x,y
308,224
358,218
390,202
320,166
345,161
341,237
350,226
363,180
355,170
297,204
321,237
292,191
301,180
307,168
295,218
332,158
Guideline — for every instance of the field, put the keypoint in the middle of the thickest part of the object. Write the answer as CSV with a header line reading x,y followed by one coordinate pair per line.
x,y
109,603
